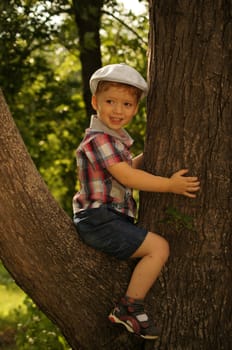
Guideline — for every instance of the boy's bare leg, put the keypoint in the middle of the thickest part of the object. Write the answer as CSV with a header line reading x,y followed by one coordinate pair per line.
x,y
130,311
154,252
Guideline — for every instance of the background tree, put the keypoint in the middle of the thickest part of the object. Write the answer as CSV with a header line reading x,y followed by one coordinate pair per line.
x,y
42,76
40,79
88,19
189,126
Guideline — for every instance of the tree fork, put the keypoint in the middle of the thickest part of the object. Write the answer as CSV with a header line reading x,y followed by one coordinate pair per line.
x,y
74,285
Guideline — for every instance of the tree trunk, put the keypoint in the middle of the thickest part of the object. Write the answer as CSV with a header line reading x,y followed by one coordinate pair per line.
x,y
73,285
189,126
88,19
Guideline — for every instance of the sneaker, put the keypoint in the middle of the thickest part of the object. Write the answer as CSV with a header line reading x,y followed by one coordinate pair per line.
x,y
130,313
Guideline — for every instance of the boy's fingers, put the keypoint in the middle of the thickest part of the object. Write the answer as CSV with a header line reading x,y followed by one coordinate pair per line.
x,y
193,189
190,195
192,179
182,172
194,184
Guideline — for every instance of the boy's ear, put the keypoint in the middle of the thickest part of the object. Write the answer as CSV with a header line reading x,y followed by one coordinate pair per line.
x,y
94,102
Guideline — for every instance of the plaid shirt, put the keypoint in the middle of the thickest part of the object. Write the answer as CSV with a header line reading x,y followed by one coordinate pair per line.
x,y
101,148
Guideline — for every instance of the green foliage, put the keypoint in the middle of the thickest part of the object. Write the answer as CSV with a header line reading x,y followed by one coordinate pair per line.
x,y
35,331
10,296
25,327
40,74
8,327
179,220
122,42
25,26
5,278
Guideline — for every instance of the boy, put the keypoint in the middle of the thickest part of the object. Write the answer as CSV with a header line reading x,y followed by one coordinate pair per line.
x,y
104,208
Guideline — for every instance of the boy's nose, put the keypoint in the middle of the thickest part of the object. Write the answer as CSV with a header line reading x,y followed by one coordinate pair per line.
x,y
117,108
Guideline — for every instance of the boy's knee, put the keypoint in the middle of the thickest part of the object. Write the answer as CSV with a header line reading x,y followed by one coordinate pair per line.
x,y
161,247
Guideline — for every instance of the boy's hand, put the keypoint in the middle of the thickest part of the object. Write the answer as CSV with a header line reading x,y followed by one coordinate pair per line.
x,y
181,184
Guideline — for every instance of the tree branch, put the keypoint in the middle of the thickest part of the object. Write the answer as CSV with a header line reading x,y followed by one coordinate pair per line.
x,y
125,25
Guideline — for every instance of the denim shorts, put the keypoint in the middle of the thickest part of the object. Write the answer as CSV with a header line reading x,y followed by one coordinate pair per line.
x,y
109,231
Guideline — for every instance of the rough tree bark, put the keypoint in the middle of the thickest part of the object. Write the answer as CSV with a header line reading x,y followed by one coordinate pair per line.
x,y
189,126
74,285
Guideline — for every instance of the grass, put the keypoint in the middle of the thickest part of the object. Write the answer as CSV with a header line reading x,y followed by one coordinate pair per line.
x,y
10,298
22,324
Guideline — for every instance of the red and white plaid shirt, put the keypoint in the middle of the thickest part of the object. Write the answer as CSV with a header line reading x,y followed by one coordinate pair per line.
x,y
101,148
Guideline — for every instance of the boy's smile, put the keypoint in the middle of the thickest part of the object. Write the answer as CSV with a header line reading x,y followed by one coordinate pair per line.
x,y
115,106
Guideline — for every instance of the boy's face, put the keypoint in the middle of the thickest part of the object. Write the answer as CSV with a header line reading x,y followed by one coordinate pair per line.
x,y
115,106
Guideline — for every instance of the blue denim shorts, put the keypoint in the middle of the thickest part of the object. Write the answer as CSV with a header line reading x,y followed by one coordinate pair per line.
x,y
109,231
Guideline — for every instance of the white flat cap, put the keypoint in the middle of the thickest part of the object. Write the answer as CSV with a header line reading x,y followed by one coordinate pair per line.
x,y
119,73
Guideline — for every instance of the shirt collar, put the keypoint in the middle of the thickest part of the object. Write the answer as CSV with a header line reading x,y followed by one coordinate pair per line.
x,y
96,125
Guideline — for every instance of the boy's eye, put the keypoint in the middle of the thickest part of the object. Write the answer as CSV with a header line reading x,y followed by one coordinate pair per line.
x,y
110,101
126,104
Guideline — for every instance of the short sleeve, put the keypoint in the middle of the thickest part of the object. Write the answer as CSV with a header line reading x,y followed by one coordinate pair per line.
x,y
103,151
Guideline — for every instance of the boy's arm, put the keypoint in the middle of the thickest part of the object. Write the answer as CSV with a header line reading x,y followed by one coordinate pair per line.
x,y
143,181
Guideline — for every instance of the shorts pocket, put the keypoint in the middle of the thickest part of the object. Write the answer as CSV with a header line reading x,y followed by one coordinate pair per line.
x,y
91,219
